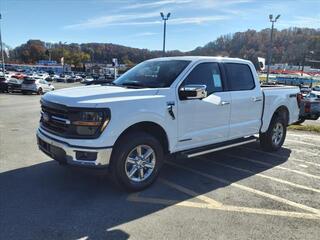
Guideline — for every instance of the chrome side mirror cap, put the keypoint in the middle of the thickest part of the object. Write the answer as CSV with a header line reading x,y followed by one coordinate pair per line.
x,y
193,92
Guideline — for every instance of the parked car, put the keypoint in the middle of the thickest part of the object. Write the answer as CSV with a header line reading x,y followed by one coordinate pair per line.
x,y
310,107
14,85
186,106
3,84
87,80
305,91
316,88
36,85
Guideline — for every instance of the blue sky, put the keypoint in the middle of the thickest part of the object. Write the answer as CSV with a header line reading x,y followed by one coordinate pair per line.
x,y
138,24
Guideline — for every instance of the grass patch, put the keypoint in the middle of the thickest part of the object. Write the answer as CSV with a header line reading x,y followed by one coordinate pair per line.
x,y
309,128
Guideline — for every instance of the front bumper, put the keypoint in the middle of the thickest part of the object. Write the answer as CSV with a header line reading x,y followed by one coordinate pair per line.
x,y
64,153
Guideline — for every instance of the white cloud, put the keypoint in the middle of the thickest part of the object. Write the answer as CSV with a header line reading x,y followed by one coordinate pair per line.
x,y
118,19
197,20
140,19
145,34
301,21
156,4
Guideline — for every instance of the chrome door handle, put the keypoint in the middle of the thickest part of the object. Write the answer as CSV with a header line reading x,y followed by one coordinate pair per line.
x,y
224,103
256,99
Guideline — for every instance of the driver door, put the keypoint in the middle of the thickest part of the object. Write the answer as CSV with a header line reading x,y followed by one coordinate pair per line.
x,y
204,121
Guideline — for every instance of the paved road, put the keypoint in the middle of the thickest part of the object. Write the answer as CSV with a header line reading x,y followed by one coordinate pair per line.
x,y
242,193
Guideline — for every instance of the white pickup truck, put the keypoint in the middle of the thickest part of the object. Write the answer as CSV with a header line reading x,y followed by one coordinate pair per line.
x,y
177,105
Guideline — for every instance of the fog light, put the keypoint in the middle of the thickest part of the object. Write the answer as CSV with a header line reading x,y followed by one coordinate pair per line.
x,y
87,156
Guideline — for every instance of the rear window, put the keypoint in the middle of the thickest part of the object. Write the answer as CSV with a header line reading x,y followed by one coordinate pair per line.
x,y
239,77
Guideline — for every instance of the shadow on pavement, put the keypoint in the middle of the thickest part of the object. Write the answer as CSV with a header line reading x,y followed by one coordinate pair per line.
x,y
46,201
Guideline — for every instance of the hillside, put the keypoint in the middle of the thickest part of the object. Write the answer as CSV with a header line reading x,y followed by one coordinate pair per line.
x,y
290,46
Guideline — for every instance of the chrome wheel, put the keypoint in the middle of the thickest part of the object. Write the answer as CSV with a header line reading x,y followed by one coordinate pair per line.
x,y
140,163
277,133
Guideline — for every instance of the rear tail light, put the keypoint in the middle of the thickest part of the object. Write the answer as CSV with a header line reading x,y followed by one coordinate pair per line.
x,y
307,107
299,98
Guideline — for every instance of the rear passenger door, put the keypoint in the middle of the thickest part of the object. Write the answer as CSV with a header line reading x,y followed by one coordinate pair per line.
x,y
247,100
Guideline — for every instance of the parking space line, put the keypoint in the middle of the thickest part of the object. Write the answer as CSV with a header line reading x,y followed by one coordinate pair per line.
x,y
272,166
263,176
301,142
302,135
211,204
283,157
300,138
248,189
191,193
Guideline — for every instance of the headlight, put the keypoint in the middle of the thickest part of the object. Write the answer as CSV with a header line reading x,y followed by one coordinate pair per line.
x,y
90,119
90,122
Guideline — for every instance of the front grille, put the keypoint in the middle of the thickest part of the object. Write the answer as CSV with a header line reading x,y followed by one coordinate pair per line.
x,y
55,119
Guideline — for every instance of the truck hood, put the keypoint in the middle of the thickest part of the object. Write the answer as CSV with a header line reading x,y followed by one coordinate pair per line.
x,y
90,96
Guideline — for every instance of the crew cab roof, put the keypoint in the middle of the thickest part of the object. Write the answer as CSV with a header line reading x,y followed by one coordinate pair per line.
x,y
203,58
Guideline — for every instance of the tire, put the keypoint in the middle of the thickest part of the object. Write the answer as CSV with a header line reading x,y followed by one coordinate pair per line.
x,y
274,137
40,92
126,147
24,92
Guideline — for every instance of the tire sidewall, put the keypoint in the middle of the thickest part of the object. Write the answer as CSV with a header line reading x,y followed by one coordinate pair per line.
x,y
122,150
274,121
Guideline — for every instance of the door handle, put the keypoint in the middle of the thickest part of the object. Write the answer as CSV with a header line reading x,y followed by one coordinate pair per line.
x,y
256,99
223,103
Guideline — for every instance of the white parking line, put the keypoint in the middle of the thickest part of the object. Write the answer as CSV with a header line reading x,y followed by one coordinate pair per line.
x,y
272,166
282,157
263,176
191,193
313,136
248,189
300,142
168,202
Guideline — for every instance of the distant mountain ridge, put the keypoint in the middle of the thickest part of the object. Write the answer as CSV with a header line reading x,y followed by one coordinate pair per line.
x,y
292,45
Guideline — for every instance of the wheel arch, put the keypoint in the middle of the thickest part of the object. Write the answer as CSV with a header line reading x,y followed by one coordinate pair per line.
x,y
283,112
151,128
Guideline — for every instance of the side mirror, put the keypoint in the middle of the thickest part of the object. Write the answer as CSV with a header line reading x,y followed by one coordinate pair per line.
x,y
193,92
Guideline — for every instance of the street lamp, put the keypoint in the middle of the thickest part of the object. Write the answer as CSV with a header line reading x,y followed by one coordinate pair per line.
x,y
1,49
63,56
164,18
271,42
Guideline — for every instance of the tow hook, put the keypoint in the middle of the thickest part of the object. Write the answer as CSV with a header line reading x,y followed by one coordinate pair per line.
x,y
170,109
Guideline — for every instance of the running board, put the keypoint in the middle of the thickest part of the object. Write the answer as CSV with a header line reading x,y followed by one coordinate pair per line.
x,y
219,146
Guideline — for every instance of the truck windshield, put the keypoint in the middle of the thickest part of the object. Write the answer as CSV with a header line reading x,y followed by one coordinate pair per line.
x,y
152,74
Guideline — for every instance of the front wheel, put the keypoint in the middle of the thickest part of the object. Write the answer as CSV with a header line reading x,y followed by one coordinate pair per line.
x,y
274,137
40,91
136,161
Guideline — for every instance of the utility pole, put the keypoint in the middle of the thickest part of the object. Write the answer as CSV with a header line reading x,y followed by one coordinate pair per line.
x,y
271,43
164,18
1,48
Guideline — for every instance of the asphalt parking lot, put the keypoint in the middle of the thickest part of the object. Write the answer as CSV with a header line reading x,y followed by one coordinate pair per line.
x,y
242,193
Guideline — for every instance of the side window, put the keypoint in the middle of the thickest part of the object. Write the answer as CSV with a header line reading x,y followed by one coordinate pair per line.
x,y
206,74
239,77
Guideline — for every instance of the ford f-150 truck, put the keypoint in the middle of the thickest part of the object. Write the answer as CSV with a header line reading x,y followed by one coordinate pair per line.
x,y
178,105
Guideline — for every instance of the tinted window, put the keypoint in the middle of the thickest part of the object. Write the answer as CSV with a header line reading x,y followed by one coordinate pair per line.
x,y
153,74
239,77
206,74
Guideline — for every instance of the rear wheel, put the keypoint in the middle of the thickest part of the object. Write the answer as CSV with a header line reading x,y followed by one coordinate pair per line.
x,y
136,161
40,91
274,138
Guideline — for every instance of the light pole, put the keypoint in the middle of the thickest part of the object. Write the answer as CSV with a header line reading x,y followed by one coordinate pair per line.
x,y
164,18
1,47
271,42
63,56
